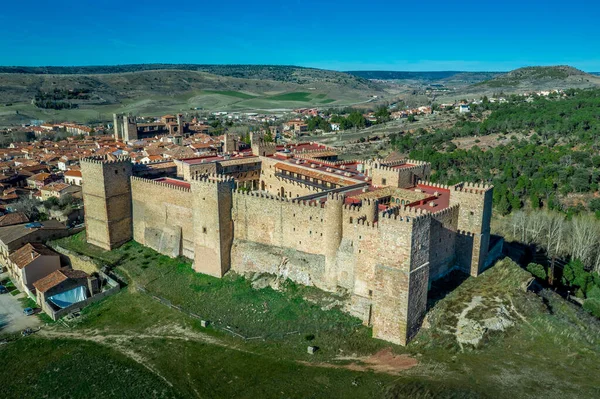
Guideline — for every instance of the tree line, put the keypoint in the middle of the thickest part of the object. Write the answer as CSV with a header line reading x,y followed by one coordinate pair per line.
x,y
555,155
576,239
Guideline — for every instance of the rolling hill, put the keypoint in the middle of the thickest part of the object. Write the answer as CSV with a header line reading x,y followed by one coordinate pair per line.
x,y
155,89
541,78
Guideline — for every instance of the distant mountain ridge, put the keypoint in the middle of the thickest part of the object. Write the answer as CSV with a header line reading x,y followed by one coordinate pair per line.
x,y
402,75
429,76
282,73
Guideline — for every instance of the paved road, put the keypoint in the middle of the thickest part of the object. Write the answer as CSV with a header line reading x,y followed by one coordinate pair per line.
x,y
12,318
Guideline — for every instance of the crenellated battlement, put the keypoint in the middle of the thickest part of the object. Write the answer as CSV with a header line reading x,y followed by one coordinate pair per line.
x,y
446,211
473,188
392,168
212,178
309,203
337,197
407,209
355,208
438,185
418,216
257,194
160,183
103,160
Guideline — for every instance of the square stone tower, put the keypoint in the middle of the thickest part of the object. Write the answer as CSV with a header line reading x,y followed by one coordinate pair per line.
x,y
107,198
473,230
213,224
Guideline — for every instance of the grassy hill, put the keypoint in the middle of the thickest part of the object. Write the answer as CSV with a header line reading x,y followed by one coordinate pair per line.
x,y
486,338
156,89
541,78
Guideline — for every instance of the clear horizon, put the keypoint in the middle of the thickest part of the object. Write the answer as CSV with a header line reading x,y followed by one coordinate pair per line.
x,y
290,65
343,36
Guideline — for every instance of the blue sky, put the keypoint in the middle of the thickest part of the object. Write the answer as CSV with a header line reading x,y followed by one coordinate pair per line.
x,y
343,35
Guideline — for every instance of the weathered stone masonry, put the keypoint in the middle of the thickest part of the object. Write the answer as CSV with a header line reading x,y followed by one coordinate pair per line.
x,y
385,259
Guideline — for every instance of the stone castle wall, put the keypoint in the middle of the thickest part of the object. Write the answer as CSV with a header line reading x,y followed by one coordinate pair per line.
x,y
443,242
384,260
162,215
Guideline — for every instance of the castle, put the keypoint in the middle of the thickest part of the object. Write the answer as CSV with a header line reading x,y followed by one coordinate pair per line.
x,y
378,231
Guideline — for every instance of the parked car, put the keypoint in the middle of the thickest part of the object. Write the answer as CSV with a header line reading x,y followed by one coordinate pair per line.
x,y
28,311
3,289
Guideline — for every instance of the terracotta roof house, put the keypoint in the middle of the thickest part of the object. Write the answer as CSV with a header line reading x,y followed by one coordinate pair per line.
x,y
58,190
39,180
13,218
32,262
15,236
73,177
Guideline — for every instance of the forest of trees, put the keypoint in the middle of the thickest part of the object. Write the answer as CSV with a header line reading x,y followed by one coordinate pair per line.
x,y
54,99
576,239
558,156
545,170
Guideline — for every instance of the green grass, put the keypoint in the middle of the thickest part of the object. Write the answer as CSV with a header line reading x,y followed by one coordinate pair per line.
x,y
551,351
232,303
78,244
60,368
294,96
231,93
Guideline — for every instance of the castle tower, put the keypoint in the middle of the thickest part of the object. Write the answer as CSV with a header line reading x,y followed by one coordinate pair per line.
x,y
107,200
130,132
117,127
254,138
213,225
261,147
229,143
401,284
371,208
180,125
333,231
473,235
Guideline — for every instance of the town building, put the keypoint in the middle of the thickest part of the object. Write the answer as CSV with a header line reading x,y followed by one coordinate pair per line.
x,y
58,190
30,263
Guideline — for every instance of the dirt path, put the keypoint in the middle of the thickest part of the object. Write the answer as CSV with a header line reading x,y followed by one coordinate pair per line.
x,y
382,362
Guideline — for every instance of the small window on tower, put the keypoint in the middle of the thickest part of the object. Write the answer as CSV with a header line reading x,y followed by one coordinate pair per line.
x,y
116,172
204,230
383,181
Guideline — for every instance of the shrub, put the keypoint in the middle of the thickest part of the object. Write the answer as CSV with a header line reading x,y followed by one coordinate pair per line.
x,y
537,270
594,293
592,306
